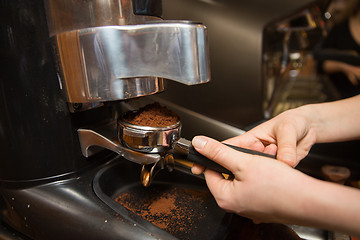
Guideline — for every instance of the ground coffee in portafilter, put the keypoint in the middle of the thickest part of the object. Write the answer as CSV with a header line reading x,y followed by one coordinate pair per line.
x,y
152,115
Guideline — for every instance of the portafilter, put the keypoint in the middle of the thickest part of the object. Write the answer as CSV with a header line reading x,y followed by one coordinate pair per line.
x,y
155,148
168,142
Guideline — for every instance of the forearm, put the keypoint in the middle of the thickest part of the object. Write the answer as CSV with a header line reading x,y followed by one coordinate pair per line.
x,y
268,190
331,66
328,206
335,121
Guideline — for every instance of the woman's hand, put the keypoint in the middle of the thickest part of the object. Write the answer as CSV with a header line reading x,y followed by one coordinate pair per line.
x,y
267,190
263,189
289,136
351,71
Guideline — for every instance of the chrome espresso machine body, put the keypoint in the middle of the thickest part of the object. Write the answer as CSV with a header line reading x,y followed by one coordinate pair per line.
x,y
66,65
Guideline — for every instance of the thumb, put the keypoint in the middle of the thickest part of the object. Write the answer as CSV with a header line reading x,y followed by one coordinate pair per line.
x,y
286,141
218,152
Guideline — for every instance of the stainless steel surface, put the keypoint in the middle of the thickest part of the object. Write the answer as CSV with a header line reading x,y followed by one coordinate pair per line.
x,y
148,139
152,162
169,162
68,15
153,139
298,24
295,88
193,123
106,52
104,137
301,21
308,233
120,62
182,145
290,73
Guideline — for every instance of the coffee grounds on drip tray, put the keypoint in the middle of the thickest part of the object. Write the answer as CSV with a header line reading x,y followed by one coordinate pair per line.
x,y
176,210
152,115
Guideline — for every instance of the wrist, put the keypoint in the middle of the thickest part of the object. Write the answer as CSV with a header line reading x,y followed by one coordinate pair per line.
x,y
312,120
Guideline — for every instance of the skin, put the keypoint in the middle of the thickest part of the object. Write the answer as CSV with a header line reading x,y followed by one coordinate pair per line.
x,y
268,190
351,71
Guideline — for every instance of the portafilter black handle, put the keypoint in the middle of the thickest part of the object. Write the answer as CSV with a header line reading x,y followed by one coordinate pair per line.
x,y
196,157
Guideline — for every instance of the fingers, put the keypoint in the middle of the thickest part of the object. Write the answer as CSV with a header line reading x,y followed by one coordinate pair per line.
x,y
232,141
271,149
197,169
213,179
265,144
219,188
353,79
246,141
286,144
218,152
353,74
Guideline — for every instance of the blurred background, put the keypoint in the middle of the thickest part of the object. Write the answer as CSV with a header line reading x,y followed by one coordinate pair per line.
x,y
262,57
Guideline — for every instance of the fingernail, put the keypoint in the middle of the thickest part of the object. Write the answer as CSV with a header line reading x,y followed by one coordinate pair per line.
x,y
199,142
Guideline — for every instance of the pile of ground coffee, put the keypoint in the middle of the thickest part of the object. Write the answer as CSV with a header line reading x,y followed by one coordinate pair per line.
x,y
177,210
152,115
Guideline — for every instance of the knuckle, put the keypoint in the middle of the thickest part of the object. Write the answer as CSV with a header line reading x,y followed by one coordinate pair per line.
x,y
216,151
223,204
286,124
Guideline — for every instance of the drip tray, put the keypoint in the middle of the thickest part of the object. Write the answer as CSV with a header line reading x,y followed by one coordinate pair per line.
x,y
175,206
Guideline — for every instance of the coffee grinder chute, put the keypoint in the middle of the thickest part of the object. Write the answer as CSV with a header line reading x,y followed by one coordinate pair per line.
x,y
107,52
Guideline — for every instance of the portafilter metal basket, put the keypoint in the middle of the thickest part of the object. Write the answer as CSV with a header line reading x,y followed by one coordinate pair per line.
x,y
148,139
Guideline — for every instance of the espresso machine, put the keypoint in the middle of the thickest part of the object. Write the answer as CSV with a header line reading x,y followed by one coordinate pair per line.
x,y
70,68
69,65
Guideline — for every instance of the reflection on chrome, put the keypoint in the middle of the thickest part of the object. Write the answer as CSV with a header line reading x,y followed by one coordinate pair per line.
x,y
120,62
